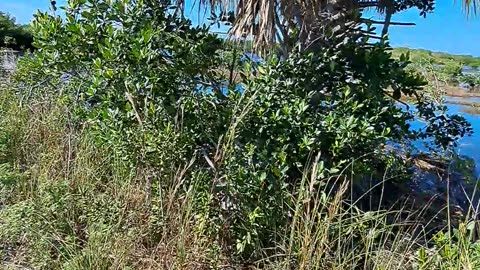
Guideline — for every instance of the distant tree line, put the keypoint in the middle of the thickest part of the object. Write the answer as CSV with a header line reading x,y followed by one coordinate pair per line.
x,y
439,58
14,36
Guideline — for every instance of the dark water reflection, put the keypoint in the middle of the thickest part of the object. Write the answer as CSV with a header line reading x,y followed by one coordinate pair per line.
x,y
468,146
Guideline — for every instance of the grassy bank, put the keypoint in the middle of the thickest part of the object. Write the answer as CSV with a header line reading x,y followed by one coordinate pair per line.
x,y
443,74
69,203
439,58
456,91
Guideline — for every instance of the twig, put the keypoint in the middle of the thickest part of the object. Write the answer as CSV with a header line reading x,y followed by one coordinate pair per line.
x,y
383,22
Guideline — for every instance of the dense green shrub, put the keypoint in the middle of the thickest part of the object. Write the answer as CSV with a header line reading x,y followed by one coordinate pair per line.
x,y
138,77
452,71
151,91
472,80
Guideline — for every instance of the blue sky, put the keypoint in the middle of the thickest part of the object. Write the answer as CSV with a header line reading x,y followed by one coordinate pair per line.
x,y
446,30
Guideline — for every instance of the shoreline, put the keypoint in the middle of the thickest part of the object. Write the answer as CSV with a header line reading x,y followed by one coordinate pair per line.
x,y
456,91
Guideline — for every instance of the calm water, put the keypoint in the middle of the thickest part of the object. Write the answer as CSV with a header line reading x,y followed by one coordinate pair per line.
x,y
468,146
463,99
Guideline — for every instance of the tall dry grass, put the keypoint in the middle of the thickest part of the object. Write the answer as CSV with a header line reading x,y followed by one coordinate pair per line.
x,y
69,203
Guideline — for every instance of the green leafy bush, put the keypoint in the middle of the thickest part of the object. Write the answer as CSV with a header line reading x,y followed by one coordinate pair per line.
x,y
452,70
472,80
452,250
227,161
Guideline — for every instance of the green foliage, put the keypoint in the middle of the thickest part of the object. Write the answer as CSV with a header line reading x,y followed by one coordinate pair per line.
x,y
473,80
149,90
13,35
153,94
424,6
339,114
454,250
133,133
452,71
438,58
140,75
50,214
437,76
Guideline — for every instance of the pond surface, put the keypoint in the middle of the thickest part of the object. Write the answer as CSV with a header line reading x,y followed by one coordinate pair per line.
x,y
470,145
460,188
463,99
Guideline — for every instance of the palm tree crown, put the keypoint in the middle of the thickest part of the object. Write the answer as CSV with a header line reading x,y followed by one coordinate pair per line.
x,y
295,21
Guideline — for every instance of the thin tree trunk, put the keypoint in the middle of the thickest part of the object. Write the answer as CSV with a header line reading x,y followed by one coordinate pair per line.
x,y
388,18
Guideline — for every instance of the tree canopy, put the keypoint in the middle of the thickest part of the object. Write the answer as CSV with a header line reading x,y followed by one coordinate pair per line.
x,y
13,35
125,137
288,22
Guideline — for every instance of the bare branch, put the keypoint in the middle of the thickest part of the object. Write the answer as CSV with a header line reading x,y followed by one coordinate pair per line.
x,y
383,22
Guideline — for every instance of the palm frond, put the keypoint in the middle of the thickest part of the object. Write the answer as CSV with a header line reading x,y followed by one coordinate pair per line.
x,y
273,21
470,6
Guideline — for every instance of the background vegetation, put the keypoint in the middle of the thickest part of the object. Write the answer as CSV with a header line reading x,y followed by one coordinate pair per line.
x,y
150,144
446,74
438,58
14,36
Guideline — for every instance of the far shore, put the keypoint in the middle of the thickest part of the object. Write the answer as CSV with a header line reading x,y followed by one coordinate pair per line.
x,y
470,107
463,99
456,91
